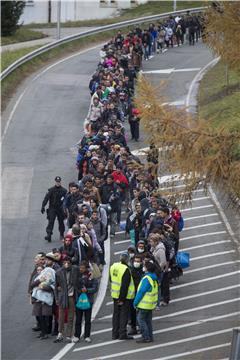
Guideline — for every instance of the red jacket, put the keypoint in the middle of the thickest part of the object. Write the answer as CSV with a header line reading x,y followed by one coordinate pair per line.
x,y
120,179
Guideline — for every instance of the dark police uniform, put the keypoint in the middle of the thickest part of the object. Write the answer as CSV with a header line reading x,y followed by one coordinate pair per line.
x,y
54,197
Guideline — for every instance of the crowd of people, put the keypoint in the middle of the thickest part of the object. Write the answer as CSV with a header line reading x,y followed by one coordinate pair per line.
x,y
110,179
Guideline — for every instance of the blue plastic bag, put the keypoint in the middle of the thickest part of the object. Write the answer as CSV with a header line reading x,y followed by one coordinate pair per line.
x,y
183,259
123,225
83,302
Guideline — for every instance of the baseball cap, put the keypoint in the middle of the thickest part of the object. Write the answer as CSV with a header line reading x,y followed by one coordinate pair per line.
x,y
58,179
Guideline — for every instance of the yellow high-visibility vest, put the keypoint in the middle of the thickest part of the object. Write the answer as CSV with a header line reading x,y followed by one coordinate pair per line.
x,y
116,271
149,300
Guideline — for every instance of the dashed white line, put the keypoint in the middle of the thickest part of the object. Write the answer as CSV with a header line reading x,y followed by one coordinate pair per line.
x,y
185,311
211,255
196,295
196,351
202,235
177,327
205,245
197,207
202,225
205,280
210,267
200,216
175,342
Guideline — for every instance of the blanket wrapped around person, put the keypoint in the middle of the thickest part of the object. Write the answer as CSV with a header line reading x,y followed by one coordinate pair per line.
x,y
47,281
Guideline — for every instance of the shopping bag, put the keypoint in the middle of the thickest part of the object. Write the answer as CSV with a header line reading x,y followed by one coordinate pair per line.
x,y
83,302
123,225
183,259
132,236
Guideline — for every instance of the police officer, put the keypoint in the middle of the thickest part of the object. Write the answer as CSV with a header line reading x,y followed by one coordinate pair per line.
x,y
54,197
122,291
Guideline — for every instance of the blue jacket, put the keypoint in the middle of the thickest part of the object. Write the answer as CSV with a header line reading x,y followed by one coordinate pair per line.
x,y
145,287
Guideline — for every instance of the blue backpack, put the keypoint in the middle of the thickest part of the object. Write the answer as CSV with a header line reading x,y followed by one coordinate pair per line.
x,y
180,224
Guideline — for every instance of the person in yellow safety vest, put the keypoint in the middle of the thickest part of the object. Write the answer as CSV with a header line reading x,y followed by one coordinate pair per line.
x,y
146,301
122,292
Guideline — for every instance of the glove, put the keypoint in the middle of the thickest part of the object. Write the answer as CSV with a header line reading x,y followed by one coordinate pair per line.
x,y
42,210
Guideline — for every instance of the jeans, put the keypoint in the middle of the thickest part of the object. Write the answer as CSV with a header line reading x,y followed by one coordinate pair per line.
x,y
78,326
144,318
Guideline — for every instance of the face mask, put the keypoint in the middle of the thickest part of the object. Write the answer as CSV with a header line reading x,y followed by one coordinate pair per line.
x,y
137,265
131,255
140,250
144,269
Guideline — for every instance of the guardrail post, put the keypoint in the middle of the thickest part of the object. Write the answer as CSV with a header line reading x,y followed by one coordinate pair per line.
x,y
235,346
58,19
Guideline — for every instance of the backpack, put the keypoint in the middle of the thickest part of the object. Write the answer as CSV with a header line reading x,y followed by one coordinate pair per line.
x,y
180,224
169,247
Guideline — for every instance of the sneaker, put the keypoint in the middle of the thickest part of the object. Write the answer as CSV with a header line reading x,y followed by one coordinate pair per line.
x,y
59,339
158,308
88,340
44,337
163,303
133,331
75,339
143,341
68,339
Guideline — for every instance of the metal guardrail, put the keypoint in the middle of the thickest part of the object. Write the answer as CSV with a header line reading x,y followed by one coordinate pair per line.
x,y
235,345
70,38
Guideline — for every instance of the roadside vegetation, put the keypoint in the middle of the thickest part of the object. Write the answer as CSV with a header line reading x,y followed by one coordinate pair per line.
x,y
8,57
21,35
219,97
204,149
150,8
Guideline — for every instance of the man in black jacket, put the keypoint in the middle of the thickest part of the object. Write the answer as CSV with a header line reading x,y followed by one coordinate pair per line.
x,y
54,197
111,195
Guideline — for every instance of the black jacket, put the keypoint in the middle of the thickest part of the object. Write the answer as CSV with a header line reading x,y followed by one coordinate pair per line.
x,y
55,197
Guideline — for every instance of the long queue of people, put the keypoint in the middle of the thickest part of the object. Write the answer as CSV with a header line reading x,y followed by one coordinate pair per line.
x,y
110,178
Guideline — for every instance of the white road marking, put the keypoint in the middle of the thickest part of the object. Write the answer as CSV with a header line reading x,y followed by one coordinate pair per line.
x,y
195,199
205,293
196,295
205,280
181,239
200,216
225,220
16,186
198,322
211,266
184,311
201,226
12,113
175,342
211,255
196,351
197,207
119,232
169,71
202,235
196,79
206,245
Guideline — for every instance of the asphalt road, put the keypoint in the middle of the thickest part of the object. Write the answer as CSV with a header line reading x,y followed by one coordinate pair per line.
x,y
38,146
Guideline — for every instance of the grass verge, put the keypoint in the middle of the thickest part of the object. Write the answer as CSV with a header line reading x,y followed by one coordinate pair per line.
x,y
150,8
8,57
219,99
21,35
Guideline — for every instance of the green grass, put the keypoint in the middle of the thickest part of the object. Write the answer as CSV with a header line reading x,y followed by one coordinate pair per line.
x,y
150,8
22,34
219,101
8,57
